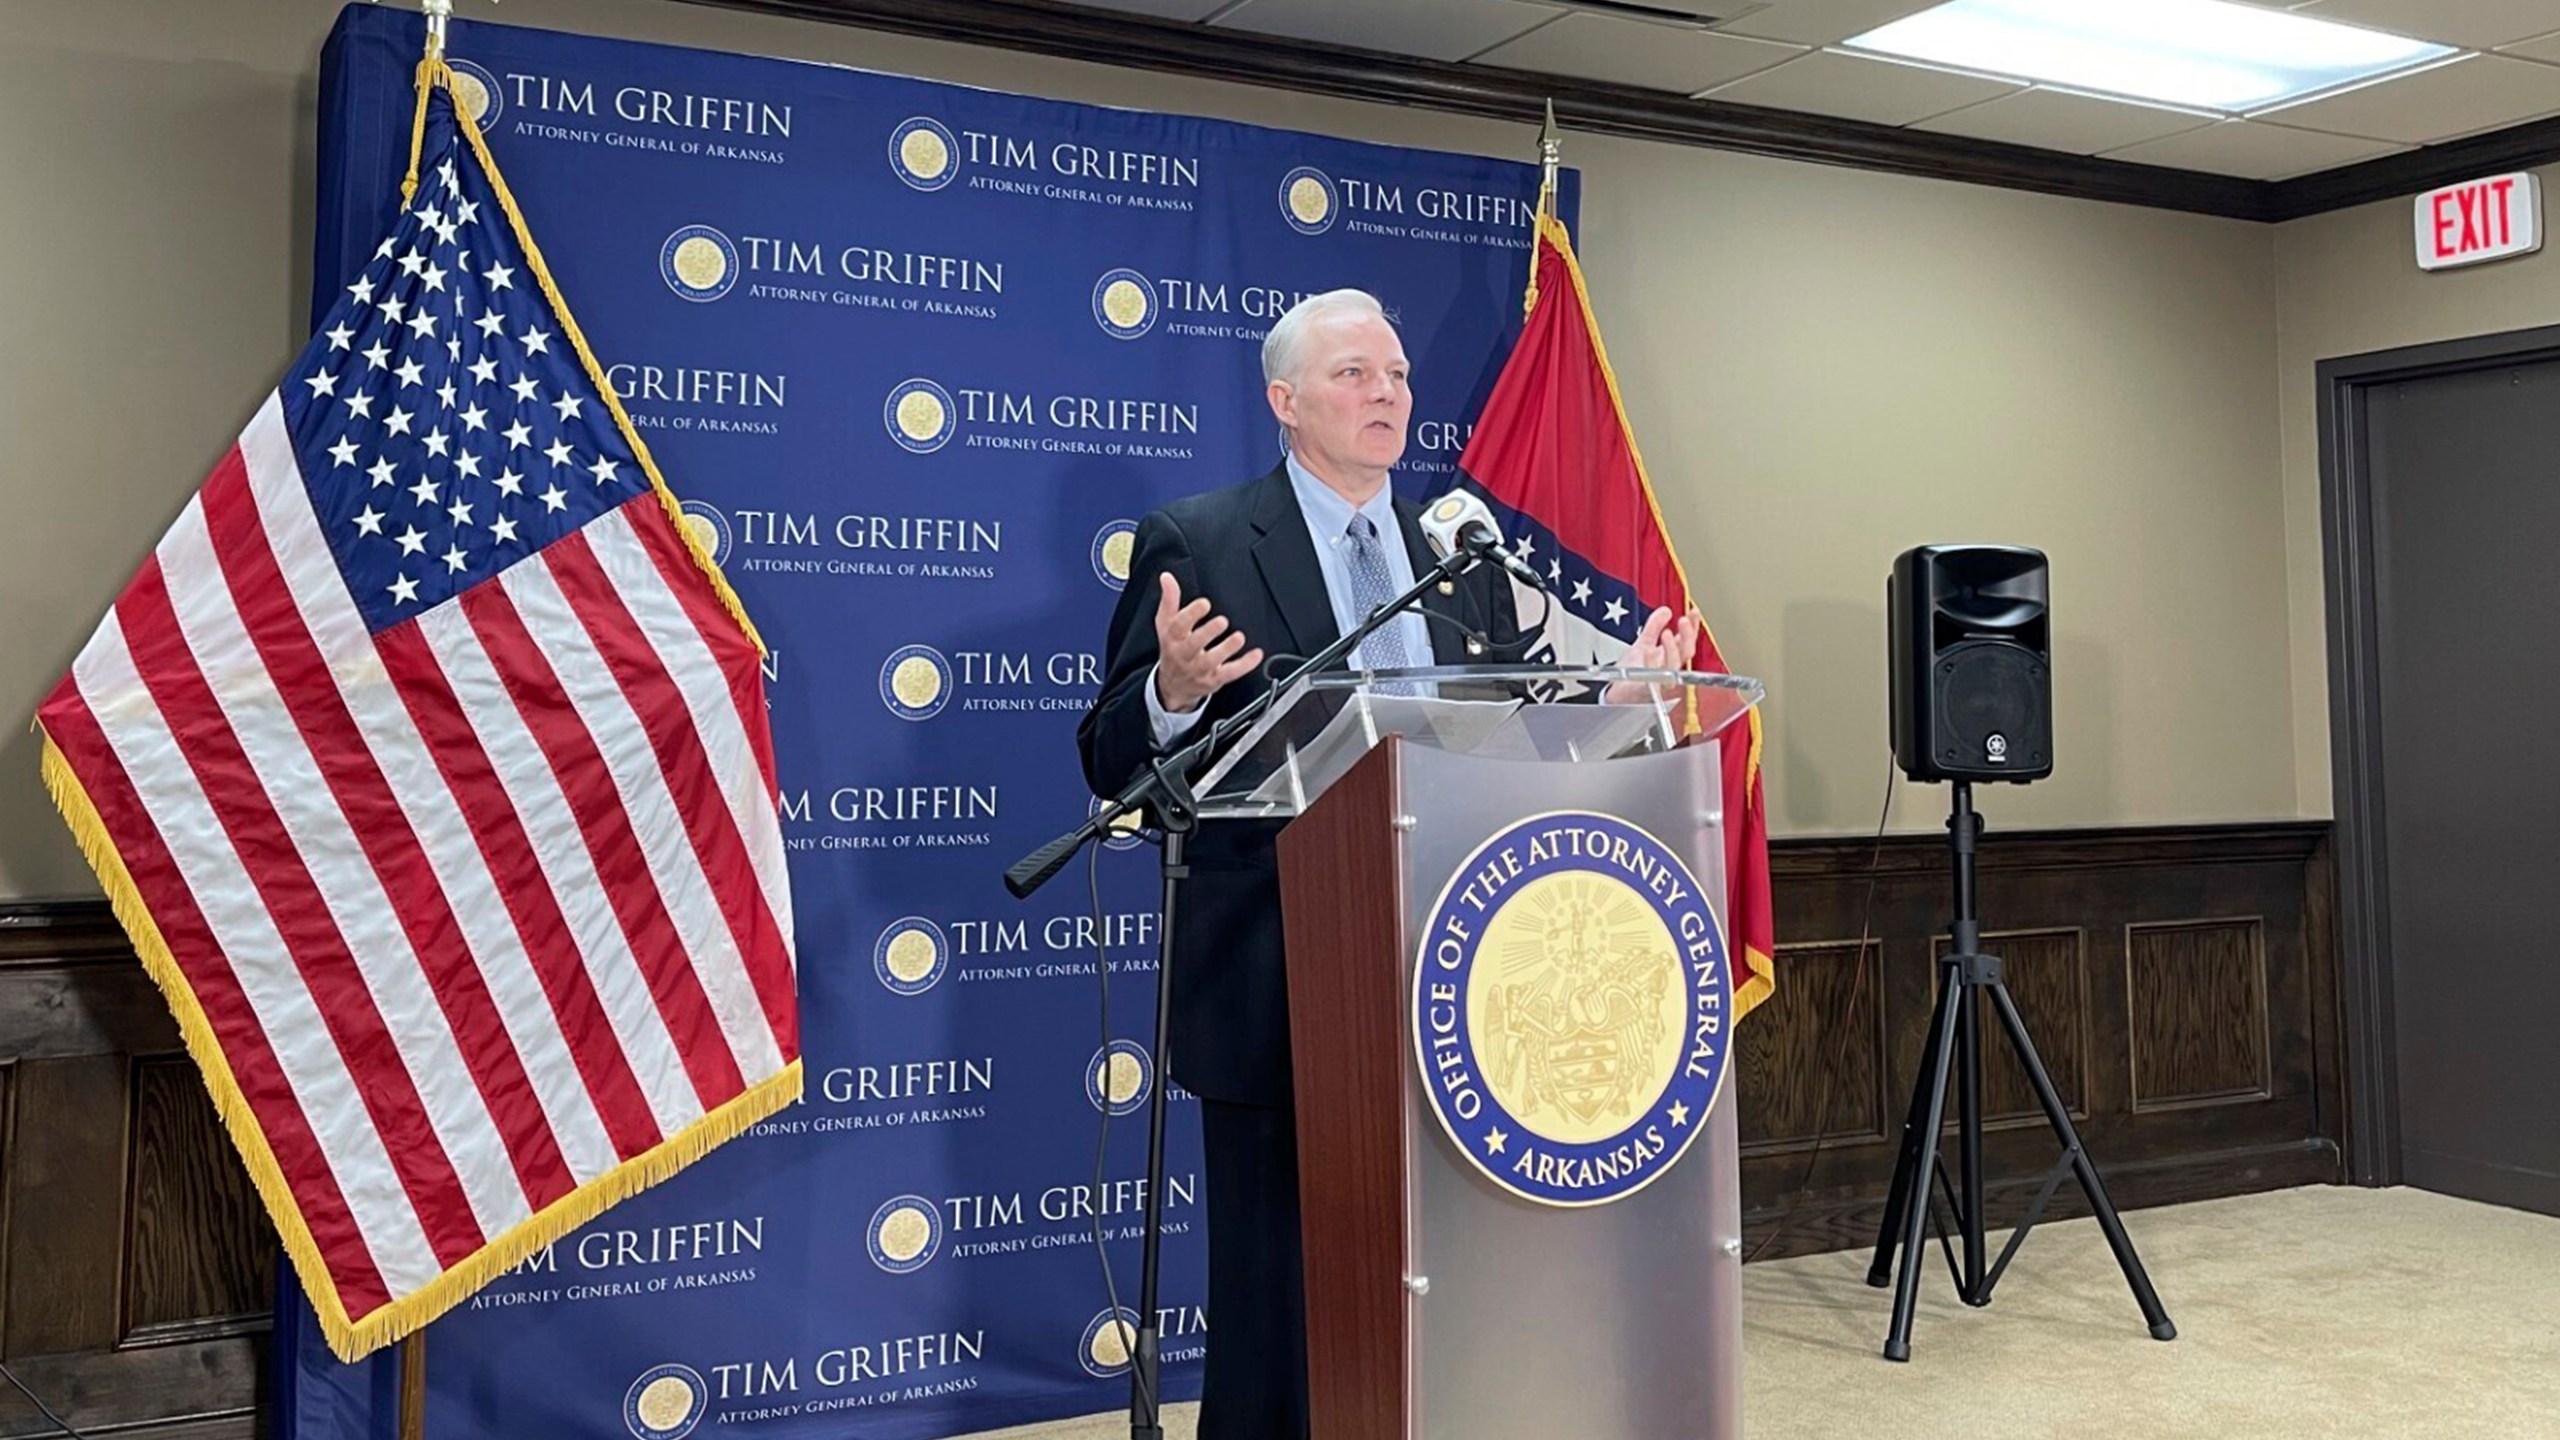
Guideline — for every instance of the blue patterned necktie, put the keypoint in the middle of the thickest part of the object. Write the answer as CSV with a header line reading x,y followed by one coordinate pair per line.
x,y
1371,587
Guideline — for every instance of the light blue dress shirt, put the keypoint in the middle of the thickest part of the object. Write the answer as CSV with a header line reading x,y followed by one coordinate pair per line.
x,y
1328,517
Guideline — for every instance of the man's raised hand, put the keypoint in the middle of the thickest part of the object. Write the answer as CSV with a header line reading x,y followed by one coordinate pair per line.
x,y
1197,652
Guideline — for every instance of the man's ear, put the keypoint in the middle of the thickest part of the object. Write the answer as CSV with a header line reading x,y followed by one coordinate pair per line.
x,y
1284,402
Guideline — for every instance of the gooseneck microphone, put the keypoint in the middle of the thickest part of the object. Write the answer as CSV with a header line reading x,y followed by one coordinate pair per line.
x,y
1460,520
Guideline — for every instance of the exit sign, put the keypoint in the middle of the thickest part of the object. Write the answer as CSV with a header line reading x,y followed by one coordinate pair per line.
x,y
2479,220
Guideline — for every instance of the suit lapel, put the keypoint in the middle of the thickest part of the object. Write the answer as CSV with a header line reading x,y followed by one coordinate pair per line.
x,y
1448,646
1287,558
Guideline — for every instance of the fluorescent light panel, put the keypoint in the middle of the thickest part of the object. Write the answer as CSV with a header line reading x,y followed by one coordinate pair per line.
x,y
2208,53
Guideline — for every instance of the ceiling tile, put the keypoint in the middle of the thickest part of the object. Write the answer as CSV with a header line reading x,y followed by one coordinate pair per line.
x,y
1817,22
1164,9
2254,149
1432,29
2482,92
1859,88
2478,24
1638,52
2545,49
2062,120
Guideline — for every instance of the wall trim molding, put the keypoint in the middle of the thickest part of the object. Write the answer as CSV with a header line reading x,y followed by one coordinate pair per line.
x,y
1110,37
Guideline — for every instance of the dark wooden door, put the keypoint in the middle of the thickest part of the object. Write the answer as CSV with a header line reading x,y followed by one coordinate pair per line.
x,y
2465,471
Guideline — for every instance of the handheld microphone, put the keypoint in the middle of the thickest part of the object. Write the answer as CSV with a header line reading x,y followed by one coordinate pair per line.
x,y
1459,521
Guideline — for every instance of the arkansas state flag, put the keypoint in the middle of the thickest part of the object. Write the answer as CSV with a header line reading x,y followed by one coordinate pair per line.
x,y
1554,455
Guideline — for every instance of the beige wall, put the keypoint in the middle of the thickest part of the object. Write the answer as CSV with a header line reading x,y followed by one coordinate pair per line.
x,y
2351,283
1825,366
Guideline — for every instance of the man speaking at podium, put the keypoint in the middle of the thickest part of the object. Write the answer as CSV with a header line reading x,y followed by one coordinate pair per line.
x,y
1282,564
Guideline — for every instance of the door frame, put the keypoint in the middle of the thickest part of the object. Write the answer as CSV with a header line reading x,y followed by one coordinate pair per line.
x,y
2369,1009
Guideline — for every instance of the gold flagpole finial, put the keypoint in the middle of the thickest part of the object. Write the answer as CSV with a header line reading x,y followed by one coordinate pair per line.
x,y
1550,156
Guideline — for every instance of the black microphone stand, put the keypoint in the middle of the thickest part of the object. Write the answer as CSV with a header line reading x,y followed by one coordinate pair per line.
x,y
1165,787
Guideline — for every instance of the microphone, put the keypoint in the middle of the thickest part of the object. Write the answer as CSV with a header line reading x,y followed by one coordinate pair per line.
x,y
1459,521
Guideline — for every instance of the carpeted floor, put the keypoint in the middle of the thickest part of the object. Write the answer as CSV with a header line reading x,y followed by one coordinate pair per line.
x,y
2314,1314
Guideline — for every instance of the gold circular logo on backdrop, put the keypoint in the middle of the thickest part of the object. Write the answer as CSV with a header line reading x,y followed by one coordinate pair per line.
x,y
923,153
912,955
1122,1076
904,1234
917,681
664,1402
920,414
1116,550
1308,200
1124,302
700,263
475,103
1574,1001
704,533
1111,1344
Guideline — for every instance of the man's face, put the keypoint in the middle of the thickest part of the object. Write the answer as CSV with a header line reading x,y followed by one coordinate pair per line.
x,y
1347,406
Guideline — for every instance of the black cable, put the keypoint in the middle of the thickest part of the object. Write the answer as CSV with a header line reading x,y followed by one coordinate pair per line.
x,y
58,1422
1102,1138
1840,1048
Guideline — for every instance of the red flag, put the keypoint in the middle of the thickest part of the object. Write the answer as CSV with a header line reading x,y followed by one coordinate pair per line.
x,y
1554,452
426,763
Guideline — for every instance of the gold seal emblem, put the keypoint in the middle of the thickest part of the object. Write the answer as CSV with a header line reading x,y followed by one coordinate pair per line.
x,y
1111,1343
923,153
475,103
1125,303
905,1233
665,1402
1116,550
699,263
706,536
920,414
1578,1010
1122,1075
917,682
1308,200
912,955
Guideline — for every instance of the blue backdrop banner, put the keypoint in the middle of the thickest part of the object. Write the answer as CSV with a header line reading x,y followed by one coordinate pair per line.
x,y
917,357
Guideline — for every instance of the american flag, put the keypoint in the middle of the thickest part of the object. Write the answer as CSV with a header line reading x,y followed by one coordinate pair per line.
x,y
426,762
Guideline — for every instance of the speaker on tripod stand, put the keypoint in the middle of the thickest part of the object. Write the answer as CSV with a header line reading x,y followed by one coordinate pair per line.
x,y
1969,641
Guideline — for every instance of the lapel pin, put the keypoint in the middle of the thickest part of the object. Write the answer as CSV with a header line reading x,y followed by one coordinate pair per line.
x,y
1448,587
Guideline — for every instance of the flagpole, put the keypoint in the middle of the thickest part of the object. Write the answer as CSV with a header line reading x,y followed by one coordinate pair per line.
x,y
413,1346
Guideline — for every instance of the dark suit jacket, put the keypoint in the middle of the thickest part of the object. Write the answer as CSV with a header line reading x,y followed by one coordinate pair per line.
x,y
1246,547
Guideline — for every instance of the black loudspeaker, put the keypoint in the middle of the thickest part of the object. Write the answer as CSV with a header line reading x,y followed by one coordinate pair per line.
x,y
1969,643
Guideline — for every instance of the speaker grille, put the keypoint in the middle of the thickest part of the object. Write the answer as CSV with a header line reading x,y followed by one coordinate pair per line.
x,y
1993,712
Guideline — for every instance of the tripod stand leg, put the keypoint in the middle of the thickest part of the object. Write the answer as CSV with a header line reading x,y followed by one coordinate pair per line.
x,y
1888,1234
1914,1196
2087,1169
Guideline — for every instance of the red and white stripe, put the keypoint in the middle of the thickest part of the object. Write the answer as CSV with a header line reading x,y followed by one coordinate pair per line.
x,y
478,908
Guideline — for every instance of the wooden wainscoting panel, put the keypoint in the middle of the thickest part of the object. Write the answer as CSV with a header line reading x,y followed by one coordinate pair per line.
x,y
2198,996
199,1252
1811,1058
135,1265
2172,978
2048,975
198,1391
66,1194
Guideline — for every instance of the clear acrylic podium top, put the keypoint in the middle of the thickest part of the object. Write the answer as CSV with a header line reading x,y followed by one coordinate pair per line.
x,y
1321,725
